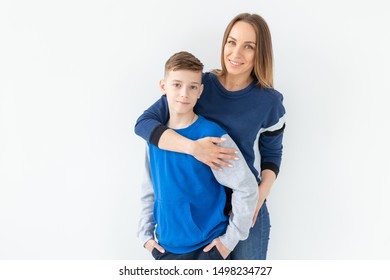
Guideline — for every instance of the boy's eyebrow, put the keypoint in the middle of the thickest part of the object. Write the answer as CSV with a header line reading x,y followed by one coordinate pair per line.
x,y
179,81
250,42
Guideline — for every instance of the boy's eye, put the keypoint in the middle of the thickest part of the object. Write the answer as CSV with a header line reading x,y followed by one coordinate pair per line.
x,y
176,85
194,87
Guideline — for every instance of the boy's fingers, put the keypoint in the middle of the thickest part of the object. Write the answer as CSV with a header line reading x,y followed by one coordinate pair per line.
x,y
209,247
159,248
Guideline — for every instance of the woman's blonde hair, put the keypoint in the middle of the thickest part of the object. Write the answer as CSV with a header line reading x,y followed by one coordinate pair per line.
x,y
263,64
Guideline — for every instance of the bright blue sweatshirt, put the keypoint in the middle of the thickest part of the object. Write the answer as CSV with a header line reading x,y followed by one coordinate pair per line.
x,y
253,117
188,200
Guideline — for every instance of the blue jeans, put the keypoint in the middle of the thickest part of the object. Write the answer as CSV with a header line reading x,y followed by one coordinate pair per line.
x,y
198,254
256,245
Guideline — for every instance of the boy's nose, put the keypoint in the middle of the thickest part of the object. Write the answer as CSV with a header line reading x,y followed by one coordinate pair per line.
x,y
184,92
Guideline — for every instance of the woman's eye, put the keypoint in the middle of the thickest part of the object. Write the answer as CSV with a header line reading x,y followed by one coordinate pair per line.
x,y
231,43
249,47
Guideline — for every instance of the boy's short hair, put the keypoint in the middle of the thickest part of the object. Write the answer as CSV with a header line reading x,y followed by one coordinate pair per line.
x,y
183,61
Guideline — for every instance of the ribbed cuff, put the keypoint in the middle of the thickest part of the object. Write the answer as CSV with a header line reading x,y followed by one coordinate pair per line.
x,y
156,134
271,166
275,132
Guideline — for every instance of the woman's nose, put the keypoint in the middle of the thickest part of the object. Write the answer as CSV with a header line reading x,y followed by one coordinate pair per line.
x,y
237,51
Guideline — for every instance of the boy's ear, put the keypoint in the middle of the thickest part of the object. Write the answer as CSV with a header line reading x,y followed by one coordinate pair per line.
x,y
162,87
200,90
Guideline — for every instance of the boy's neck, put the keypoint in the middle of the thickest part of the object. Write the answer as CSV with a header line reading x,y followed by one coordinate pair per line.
x,y
178,121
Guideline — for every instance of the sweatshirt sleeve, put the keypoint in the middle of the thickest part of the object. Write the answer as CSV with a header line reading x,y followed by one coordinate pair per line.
x,y
151,124
271,136
146,224
244,198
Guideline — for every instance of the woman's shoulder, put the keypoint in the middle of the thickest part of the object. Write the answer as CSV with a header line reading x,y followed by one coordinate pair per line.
x,y
271,100
271,94
207,76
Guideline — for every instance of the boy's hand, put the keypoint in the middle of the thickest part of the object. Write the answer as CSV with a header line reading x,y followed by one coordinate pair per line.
x,y
220,247
206,151
151,244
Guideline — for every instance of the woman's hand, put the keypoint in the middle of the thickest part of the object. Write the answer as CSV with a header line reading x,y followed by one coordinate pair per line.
x,y
220,247
151,244
206,151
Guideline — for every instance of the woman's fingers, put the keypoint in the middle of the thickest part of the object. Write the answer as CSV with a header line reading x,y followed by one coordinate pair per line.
x,y
213,155
255,216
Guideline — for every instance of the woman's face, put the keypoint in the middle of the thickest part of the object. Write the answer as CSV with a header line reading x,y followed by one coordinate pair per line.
x,y
240,49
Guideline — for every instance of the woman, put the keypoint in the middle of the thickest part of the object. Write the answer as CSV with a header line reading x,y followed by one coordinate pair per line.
x,y
239,97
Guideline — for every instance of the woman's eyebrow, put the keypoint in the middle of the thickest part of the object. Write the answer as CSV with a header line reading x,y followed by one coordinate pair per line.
x,y
250,42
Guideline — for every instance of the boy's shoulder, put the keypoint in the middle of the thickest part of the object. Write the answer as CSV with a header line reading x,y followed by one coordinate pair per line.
x,y
211,128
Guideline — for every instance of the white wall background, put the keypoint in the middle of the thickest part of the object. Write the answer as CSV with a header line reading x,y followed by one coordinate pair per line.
x,y
74,76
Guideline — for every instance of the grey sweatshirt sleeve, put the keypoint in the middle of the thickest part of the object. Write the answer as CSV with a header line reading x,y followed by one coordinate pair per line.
x,y
146,224
244,198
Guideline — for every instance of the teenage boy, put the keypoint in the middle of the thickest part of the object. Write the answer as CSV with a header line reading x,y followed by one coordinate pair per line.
x,y
183,200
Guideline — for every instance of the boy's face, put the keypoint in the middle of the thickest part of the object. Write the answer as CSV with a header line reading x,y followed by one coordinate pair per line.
x,y
182,88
